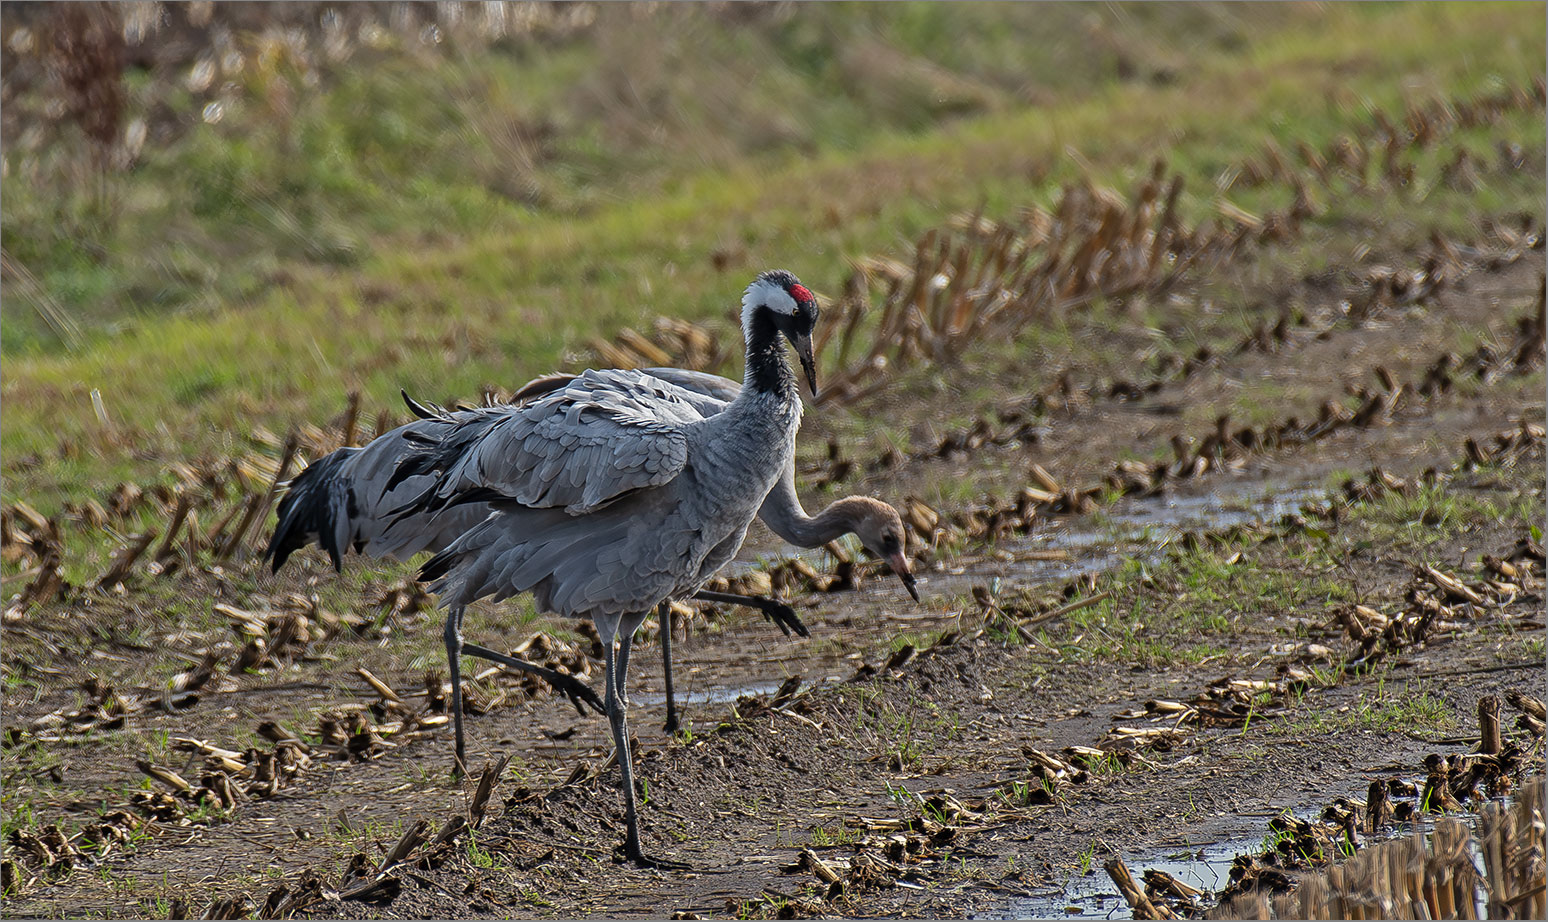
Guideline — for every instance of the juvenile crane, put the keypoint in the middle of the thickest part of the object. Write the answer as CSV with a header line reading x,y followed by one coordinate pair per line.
x,y
607,505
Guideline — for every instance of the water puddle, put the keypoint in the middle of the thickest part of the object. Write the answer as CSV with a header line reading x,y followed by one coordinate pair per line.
x,y
1206,867
1094,896
1222,509
1159,520
712,695
1136,528
1132,528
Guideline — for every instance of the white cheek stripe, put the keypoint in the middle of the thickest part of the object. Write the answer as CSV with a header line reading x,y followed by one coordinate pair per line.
x,y
766,294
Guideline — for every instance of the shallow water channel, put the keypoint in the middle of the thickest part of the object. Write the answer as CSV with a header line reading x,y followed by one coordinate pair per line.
x,y
714,694
1092,895
1132,528
1139,528
1206,866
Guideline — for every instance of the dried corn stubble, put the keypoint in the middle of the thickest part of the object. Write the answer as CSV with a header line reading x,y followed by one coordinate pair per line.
x,y
1415,878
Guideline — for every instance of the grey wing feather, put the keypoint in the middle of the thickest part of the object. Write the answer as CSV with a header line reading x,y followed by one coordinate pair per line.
x,y
350,500
596,509
709,394
581,446
701,383
701,390
572,564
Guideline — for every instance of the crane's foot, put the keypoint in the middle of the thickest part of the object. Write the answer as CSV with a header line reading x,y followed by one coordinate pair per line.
x,y
671,725
784,617
580,695
641,860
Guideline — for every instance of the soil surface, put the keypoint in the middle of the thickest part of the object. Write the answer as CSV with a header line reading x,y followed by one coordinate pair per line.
x,y
894,762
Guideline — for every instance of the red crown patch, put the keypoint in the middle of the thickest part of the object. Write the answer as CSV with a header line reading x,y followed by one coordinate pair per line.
x,y
801,294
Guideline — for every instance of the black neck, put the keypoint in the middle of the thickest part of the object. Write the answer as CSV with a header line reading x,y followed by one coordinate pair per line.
x,y
768,371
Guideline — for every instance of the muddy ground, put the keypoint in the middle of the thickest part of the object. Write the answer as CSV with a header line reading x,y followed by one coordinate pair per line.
x,y
1172,552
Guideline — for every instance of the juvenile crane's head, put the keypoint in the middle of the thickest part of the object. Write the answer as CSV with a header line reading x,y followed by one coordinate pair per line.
x,y
791,307
880,529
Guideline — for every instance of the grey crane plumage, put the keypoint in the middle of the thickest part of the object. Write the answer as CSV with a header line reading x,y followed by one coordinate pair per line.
x,y
609,502
343,503
876,523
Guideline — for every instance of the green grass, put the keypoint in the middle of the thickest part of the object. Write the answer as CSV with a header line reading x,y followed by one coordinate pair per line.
x,y
479,857
1224,584
1432,515
18,816
1408,713
834,837
1133,627
1201,599
1378,709
1087,858
374,255
404,147
1522,649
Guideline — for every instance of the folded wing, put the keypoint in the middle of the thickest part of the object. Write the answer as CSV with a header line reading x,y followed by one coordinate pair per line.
x,y
601,436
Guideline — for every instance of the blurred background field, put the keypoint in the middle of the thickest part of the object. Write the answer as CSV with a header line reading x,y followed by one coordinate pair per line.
x,y
226,217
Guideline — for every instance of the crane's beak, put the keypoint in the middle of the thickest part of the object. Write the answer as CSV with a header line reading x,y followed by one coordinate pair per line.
x,y
899,564
803,347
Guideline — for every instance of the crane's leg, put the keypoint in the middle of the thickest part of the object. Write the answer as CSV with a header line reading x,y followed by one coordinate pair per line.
x,y
453,634
618,718
579,693
665,611
778,612
624,643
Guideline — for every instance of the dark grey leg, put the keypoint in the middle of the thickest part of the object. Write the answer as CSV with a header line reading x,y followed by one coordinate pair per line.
x,y
618,718
579,693
665,611
778,612
453,634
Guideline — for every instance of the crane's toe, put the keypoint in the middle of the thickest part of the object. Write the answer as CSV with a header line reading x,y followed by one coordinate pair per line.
x,y
785,618
641,860
581,695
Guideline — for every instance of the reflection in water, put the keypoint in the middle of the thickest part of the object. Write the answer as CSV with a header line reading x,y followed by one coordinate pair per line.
x,y
1094,896
711,695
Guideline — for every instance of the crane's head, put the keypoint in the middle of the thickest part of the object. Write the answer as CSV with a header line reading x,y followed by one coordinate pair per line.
x,y
880,529
791,307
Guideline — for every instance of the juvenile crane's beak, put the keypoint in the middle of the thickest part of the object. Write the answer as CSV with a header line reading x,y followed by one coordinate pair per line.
x,y
899,564
803,347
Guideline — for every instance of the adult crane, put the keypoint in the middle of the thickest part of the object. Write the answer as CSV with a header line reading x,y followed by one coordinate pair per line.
x,y
613,494
342,503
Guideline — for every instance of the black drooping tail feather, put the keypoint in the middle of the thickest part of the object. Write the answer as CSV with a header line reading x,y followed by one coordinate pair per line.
x,y
434,455
437,566
310,510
